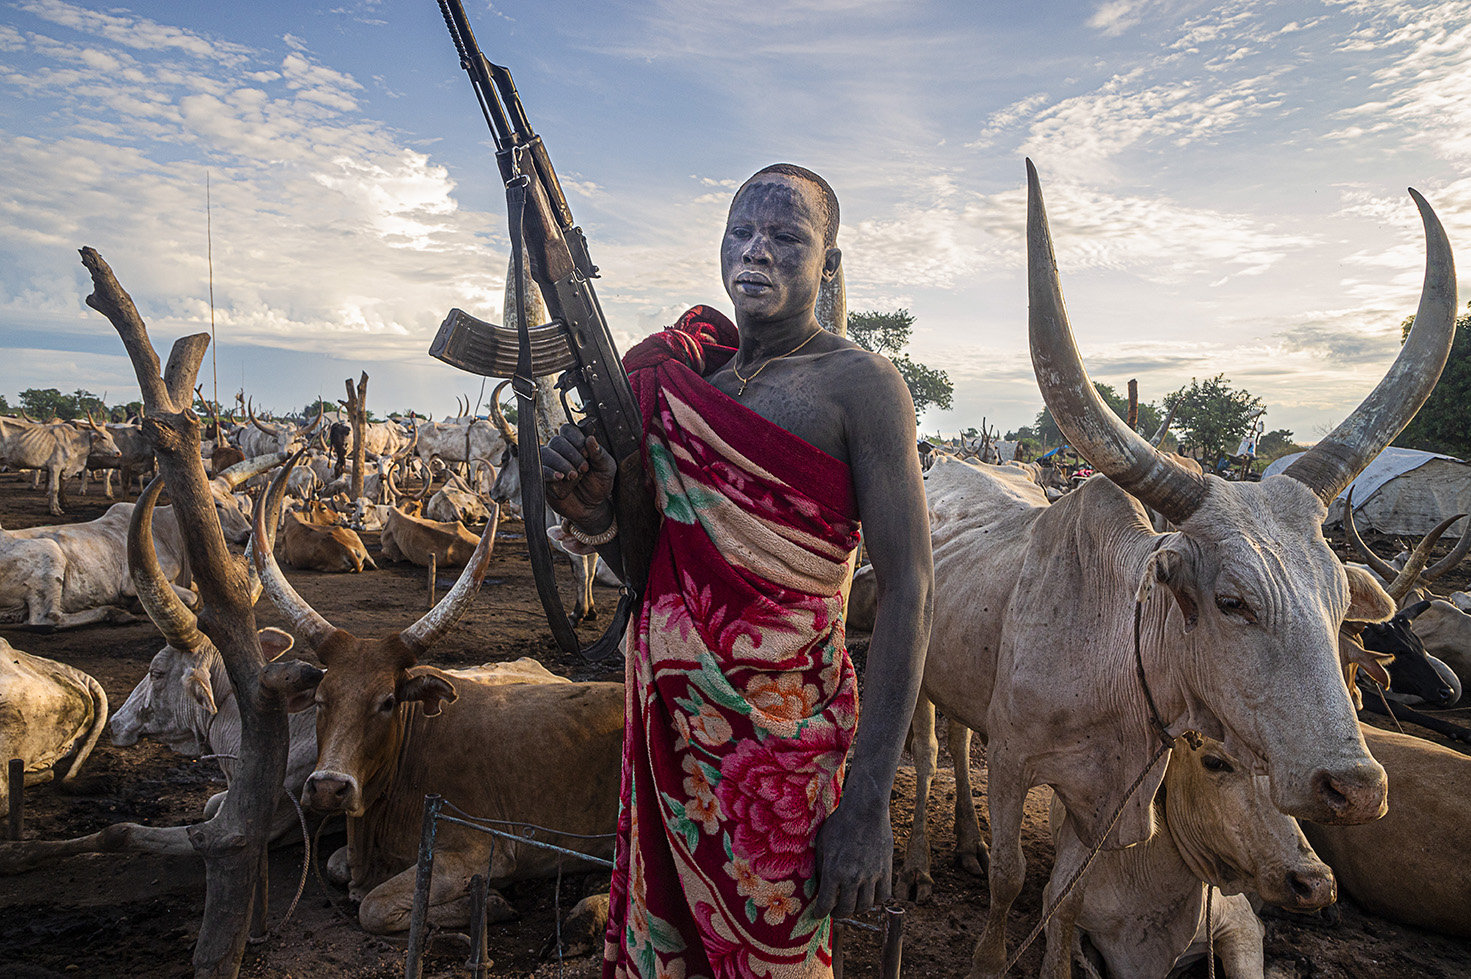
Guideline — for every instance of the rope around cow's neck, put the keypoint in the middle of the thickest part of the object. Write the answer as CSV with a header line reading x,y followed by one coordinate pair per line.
x,y
1167,742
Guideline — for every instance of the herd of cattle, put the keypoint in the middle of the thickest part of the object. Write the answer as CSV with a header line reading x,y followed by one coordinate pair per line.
x,y
1177,656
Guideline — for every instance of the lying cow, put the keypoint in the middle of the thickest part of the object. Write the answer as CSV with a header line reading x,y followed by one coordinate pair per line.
x,y
388,730
69,575
48,711
1413,865
415,540
314,538
1143,909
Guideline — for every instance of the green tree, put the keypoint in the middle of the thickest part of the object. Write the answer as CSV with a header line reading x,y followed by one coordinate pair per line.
x,y
1213,416
5,408
1444,422
46,403
888,334
1045,431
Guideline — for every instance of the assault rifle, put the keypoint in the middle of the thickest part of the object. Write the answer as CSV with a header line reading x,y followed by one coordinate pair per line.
x,y
576,342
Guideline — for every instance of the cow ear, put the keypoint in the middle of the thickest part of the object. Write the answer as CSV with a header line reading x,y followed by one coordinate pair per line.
x,y
294,681
1367,599
201,690
431,688
275,643
1174,567
1415,611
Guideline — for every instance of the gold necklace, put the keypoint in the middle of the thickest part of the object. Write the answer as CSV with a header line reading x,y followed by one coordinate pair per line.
x,y
747,380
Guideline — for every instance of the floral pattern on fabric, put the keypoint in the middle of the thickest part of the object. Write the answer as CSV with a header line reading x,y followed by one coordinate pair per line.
x,y
741,701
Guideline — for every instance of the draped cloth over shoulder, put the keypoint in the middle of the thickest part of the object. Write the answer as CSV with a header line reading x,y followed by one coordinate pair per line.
x,y
741,698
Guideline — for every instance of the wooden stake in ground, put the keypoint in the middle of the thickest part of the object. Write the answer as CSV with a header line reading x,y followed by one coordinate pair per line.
x,y
357,414
233,842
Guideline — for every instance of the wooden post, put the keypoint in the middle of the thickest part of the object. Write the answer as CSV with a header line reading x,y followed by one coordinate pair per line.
x,y
233,842
433,575
1133,418
357,413
17,775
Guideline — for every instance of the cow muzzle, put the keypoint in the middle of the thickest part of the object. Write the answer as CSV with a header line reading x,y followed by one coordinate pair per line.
x,y
1347,796
327,791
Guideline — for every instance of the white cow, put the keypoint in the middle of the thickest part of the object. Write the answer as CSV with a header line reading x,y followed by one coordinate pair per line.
x,y
48,710
70,575
60,449
1034,641
1144,907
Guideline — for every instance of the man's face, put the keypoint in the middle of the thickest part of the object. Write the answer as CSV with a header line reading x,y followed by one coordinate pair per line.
x,y
772,256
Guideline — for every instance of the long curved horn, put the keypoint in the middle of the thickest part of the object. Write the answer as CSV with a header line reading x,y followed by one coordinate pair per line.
x,y
1164,426
180,627
1377,564
507,432
250,410
96,427
1332,464
1455,557
1091,427
321,410
422,635
236,475
305,621
28,418
1409,575
408,449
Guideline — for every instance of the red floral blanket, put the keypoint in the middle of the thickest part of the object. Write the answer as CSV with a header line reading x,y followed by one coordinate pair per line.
x,y
741,699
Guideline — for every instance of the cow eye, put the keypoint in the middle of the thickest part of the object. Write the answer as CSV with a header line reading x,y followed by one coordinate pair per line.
x,y
1214,763
387,705
1232,605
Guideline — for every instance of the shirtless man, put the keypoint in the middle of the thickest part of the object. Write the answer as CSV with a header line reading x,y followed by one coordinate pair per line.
x,y
714,872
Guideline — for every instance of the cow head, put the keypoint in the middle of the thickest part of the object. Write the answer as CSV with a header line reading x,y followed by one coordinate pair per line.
x,y
1413,672
234,517
186,682
1250,654
370,686
1229,832
103,450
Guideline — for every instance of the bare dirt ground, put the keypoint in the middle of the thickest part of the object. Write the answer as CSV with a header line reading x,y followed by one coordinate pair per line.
x,y
109,915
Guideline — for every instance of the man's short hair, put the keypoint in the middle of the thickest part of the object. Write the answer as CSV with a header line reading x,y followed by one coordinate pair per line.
x,y
829,199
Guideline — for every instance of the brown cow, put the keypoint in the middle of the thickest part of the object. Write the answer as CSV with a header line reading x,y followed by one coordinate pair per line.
x,y
1412,865
414,539
389,731
316,541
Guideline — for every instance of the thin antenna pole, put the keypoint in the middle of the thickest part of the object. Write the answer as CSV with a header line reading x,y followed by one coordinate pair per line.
x,y
214,346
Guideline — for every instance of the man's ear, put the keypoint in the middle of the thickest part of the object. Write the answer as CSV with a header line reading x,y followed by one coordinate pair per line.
x,y
831,262
1175,568
294,681
201,689
1367,599
430,687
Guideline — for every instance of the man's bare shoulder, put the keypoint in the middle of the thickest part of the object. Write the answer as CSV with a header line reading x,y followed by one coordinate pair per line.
x,y
851,374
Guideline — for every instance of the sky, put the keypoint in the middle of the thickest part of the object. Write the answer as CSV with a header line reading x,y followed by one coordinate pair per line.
x,y
1225,180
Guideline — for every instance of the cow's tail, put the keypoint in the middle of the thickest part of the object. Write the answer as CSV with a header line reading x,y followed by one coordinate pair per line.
x,y
99,721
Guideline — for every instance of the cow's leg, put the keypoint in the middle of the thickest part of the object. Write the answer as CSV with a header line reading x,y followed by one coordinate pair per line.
x,y
107,484
970,848
19,857
1238,936
55,491
1071,854
387,908
1006,795
915,880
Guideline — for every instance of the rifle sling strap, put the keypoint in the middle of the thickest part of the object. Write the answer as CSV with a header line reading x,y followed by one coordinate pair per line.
x,y
533,493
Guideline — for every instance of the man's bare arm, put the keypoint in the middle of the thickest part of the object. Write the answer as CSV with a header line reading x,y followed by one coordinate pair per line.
x,y
855,846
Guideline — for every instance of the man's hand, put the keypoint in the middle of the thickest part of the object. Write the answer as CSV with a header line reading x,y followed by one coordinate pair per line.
x,y
855,859
578,476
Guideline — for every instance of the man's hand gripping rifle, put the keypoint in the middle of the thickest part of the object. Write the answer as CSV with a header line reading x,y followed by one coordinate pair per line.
x,y
575,342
